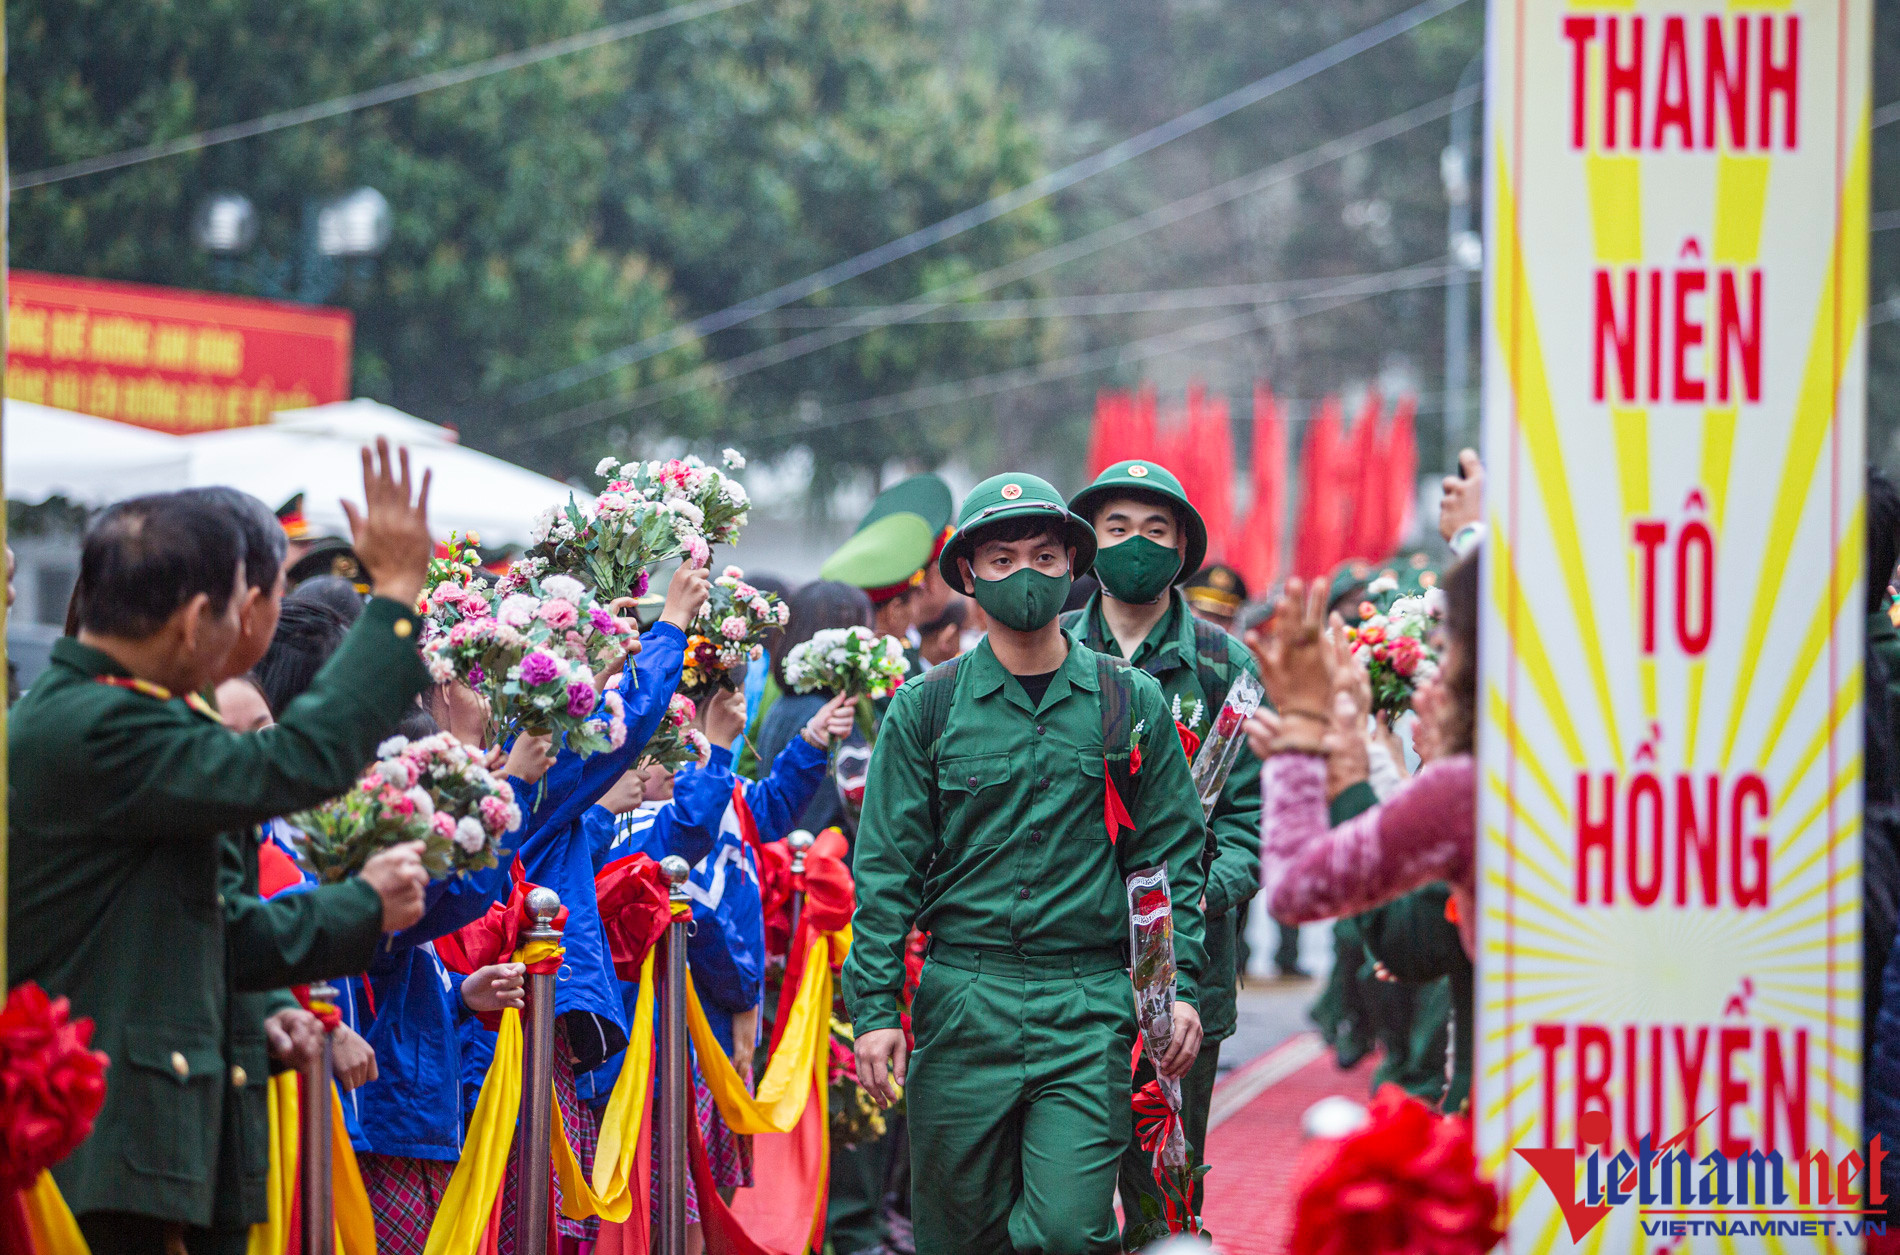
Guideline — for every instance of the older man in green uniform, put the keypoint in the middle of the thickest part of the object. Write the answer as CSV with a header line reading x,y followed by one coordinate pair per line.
x,y
1149,538
126,812
1012,791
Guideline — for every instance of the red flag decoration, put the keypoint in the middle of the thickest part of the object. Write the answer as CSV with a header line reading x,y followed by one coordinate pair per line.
x,y
1319,540
1256,551
1123,428
1363,486
1210,456
1401,460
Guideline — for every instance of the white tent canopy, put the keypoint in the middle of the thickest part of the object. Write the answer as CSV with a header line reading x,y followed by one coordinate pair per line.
x,y
312,451
89,461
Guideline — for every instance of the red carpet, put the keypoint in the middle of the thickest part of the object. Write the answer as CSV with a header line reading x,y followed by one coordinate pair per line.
x,y
1254,1141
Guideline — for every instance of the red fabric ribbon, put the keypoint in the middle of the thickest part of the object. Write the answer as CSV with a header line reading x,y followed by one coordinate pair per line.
x,y
1155,1124
635,908
495,937
830,897
327,1013
1407,1181
51,1084
1115,815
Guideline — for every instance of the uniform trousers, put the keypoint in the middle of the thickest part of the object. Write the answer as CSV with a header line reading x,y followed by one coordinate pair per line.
x,y
1018,1098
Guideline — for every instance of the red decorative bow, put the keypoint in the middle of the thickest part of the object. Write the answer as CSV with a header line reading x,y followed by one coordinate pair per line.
x,y
635,908
1156,1123
495,937
830,897
1407,1181
51,1084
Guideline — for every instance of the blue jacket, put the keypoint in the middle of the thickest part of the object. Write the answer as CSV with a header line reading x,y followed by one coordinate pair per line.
x,y
412,1106
727,943
556,854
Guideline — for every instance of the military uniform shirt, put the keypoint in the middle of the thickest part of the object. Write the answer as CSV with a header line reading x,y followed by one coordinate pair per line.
x,y
1001,845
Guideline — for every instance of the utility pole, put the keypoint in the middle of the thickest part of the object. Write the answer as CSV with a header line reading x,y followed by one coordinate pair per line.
x,y
1465,249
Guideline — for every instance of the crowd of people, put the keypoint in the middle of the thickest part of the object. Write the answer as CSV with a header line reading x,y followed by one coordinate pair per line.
x,y
1065,658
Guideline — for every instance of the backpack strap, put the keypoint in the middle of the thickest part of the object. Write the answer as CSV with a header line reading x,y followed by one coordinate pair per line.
x,y
1116,679
1211,664
936,690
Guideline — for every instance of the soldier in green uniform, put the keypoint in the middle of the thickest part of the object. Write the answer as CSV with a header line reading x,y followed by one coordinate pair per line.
x,y
1150,538
1012,791
127,811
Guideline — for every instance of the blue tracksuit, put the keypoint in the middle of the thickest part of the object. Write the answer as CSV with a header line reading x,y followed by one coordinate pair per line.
x,y
727,943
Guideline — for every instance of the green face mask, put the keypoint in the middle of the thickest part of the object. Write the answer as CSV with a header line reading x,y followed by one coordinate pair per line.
x,y
1025,600
1137,570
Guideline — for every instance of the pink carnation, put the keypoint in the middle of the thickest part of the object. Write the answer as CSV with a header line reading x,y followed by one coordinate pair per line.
x,y
603,622
444,824
580,699
559,614
495,816
538,669
732,627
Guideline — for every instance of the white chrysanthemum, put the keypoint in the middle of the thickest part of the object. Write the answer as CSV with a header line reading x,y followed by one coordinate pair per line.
x,y
606,467
565,587
420,799
469,834
394,772
392,747
734,460
543,525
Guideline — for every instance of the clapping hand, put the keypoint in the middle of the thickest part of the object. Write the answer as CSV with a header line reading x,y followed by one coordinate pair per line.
x,y
1296,660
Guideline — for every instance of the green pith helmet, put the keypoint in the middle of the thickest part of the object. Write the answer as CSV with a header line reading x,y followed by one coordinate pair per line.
x,y
1138,476
1014,496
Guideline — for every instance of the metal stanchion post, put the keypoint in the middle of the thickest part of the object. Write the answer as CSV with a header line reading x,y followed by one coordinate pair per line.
x,y
800,841
313,1163
675,1085
537,1102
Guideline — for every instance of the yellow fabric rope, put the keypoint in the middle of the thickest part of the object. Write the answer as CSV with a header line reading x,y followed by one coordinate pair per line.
x,y
50,1221
785,1088
272,1237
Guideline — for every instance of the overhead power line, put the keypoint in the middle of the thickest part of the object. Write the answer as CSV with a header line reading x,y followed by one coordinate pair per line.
x,y
1359,288
1031,192
1022,268
377,95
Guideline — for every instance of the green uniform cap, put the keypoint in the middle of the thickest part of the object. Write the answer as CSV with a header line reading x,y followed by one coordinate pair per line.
x,y
1147,477
926,496
884,552
1014,496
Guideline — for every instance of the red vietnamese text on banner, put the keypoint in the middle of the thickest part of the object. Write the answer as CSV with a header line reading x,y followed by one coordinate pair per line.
x,y
167,358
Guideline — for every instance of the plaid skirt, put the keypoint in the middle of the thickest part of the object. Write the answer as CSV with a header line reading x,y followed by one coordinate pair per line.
x,y
583,1134
728,1155
404,1194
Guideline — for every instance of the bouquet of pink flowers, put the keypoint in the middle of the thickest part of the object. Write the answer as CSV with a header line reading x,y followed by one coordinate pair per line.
x,y
435,791
531,653
676,742
1395,647
728,633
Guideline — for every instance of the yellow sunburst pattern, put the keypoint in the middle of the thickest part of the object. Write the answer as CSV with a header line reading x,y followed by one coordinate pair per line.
x,y
1675,314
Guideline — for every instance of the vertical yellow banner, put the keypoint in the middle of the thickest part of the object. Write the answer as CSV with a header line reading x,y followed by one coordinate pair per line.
x,y
1675,313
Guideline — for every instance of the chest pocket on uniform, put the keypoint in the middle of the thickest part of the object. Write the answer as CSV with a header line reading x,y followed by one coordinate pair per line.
x,y
982,779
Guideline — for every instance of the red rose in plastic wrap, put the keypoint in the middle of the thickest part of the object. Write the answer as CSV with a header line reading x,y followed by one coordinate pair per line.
x,y
1405,1184
51,1085
1227,722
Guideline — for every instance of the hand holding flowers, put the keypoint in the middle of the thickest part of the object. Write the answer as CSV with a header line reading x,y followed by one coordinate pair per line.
x,y
435,790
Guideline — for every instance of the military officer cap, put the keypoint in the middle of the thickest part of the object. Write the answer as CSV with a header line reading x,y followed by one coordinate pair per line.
x,y
1137,477
1216,589
291,518
1014,495
895,540
328,558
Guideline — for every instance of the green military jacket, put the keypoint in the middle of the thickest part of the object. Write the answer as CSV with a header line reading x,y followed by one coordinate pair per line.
x,y
994,838
1173,657
129,858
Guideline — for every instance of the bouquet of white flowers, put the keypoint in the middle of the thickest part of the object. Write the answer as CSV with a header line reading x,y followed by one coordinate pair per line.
x,y
435,791
854,661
